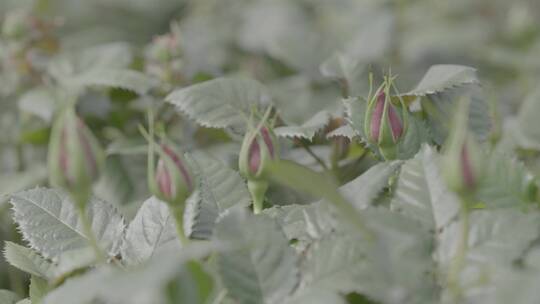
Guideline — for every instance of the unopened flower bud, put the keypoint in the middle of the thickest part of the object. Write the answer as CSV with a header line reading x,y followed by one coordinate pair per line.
x,y
172,180
385,124
75,156
462,159
258,149
463,167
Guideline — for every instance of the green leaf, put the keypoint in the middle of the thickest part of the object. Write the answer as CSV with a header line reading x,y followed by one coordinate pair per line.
x,y
345,131
192,285
142,284
114,78
364,189
442,77
27,260
346,263
48,220
318,184
308,129
38,289
152,229
497,240
356,114
220,103
13,182
219,189
349,69
505,182
74,260
303,224
416,135
40,102
8,297
440,109
517,287
262,268
115,184
528,125
316,296
421,193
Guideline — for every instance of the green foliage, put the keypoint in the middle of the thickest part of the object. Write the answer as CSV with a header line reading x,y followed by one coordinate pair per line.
x,y
337,222
263,268
49,222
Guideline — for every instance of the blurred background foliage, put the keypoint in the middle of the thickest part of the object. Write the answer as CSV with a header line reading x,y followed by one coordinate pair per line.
x,y
290,46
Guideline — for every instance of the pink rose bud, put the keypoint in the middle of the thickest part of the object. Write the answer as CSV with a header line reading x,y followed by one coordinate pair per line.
x,y
462,160
75,156
172,180
257,150
384,124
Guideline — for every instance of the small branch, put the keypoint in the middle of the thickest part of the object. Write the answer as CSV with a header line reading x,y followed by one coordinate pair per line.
x,y
458,261
178,213
315,156
89,233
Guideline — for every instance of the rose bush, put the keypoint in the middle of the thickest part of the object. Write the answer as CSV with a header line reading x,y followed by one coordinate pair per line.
x,y
281,151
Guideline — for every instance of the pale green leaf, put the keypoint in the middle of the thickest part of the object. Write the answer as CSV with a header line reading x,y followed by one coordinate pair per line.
x,y
115,184
497,238
440,109
304,224
115,78
38,289
73,260
347,263
27,260
316,296
13,182
344,131
364,189
528,124
505,182
497,241
421,193
49,222
220,103
308,129
192,285
318,184
40,102
219,188
152,229
8,297
105,56
138,285
356,113
443,77
350,71
262,268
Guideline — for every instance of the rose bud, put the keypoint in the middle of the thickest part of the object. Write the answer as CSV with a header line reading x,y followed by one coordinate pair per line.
x,y
75,157
384,124
172,179
462,159
259,148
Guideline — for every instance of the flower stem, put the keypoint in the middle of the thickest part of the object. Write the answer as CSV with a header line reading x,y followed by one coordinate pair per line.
x,y
257,188
458,261
89,233
178,213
